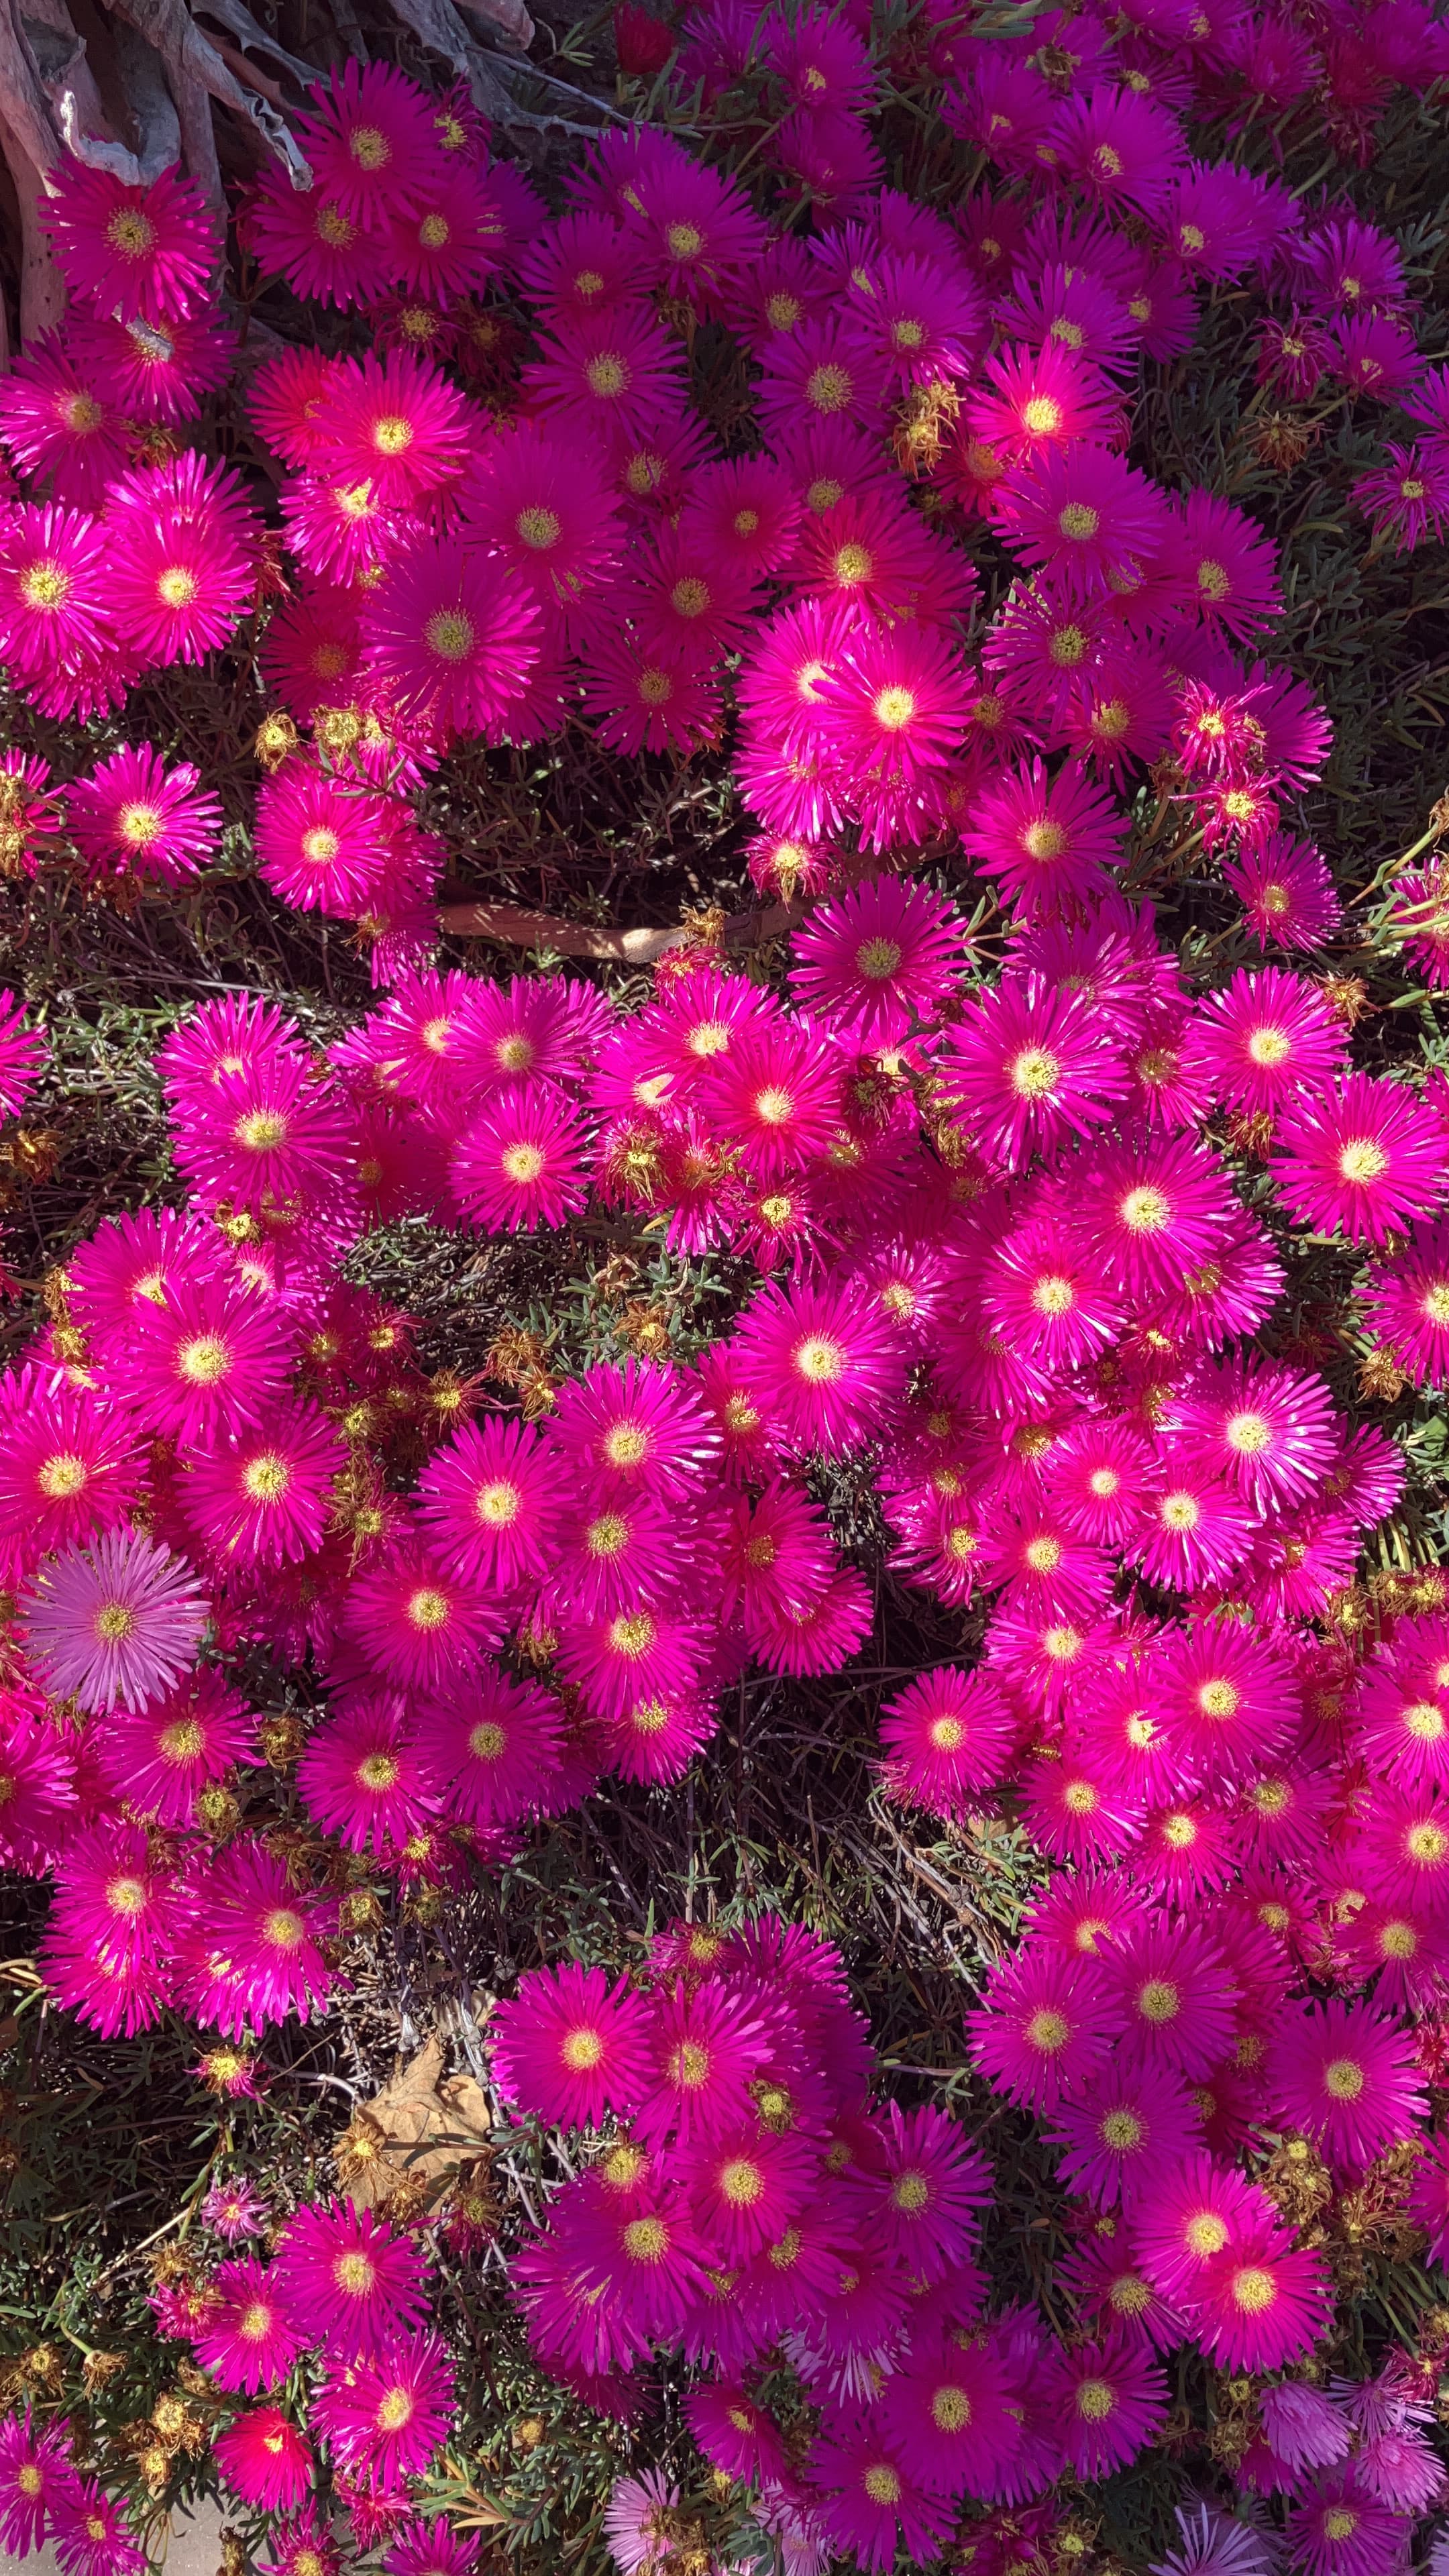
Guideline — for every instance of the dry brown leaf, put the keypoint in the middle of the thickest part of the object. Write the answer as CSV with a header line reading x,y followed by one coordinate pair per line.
x,y
417,2130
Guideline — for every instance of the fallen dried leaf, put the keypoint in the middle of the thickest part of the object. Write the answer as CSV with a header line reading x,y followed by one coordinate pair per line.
x,y
419,2128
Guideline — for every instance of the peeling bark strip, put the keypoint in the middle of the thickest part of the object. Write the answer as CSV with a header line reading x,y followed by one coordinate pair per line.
x,y
515,928
192,60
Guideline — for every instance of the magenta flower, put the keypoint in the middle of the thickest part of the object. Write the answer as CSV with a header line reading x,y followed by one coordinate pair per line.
x,y
1340,2529
159,1758
1030,1067
353,2282
1108,2400
1345,2075
1045,841
1042,2030
36,2479
1286,891
519,1165
383,2418
868,2506
570,2046
1262,2306
265,2460
1120,2135
882,955
132,816
263,1498
821,1364
452,638
250,2341
90,2536
366,1778
946,1735
1367,1159
250,1953
136,252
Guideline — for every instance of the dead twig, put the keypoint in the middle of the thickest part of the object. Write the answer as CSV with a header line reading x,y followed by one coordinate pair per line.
x,y
512,927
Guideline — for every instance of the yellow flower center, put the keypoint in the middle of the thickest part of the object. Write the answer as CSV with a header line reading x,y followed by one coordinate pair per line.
x,y
62,1476
1145,1210
1362,1160
539,527
1096,2400
582,2050
45,585
131,233
449,634
819,1360
827,388
1048,2032
894,709
741,2182
633,1635
646,2240
1042,416
1122,2131
1159,2000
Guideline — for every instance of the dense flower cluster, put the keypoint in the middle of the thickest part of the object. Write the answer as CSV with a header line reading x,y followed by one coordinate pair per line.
x,y
463,570
1011,1265
1022,1206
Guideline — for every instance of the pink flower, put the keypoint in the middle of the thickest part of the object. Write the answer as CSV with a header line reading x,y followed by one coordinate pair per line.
x,y
1047,842
823,1366
883,955
355,2283
946,1734
452,638
133,817
250,1952
383,2418
1345,2075
1108,2400
569,2047
250,2341
1365,1159
519,1165
265,2460
135,252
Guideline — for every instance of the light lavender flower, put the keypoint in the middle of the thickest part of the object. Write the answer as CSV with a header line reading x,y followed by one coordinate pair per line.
x,y
1214,2544
635,2521
1303,2428
232,2209
119,1622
